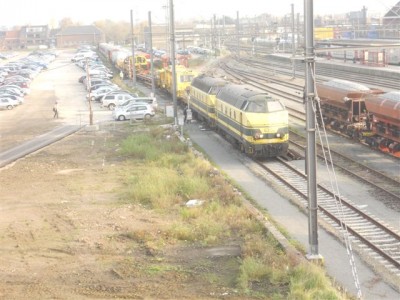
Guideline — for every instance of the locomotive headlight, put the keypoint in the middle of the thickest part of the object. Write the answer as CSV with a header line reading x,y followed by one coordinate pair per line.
x,y
258,135
278,135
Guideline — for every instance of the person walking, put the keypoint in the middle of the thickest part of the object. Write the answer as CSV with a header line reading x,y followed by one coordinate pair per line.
x,y
55,110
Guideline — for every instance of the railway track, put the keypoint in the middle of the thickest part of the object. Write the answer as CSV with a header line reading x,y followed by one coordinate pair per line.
x,y
385,187
277,66
265,60
377,243
366,232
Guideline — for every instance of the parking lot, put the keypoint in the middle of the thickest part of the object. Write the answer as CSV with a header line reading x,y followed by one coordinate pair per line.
x,y
34,117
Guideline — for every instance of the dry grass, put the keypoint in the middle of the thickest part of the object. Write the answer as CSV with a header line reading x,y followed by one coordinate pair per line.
x,y
165,175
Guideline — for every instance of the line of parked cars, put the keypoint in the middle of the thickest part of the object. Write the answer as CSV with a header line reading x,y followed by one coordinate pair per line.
x,y
16,76
123,104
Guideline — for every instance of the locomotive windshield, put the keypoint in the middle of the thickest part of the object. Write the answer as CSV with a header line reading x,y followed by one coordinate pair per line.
x,y
264,106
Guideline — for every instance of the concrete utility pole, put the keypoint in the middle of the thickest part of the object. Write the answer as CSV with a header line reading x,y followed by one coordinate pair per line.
x,y
298,29
153,88
309,98
172,41
214,33
133,53
223,26
89,87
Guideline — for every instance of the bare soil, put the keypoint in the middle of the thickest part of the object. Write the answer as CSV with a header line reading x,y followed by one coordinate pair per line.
x,y
66,234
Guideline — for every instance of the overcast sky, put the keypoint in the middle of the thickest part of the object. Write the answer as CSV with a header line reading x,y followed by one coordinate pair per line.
x,y
40,12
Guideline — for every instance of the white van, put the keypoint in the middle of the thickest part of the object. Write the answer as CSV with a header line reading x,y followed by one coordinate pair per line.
x,y
115,100
112,100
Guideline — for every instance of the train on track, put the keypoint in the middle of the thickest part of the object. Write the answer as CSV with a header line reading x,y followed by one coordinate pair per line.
x,y
389,56
257,122
184,78
369,115
385,126
121,59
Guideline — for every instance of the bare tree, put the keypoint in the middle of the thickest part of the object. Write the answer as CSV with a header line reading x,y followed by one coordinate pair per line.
x,y
66,22
118,32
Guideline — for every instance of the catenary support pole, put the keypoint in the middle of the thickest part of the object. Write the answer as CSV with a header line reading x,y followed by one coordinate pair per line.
x,y
153,87
89,87
310,128
293,44
172,42
133,53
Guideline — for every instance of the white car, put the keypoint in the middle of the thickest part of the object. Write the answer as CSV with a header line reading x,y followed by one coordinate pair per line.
x,y
135,111
16,100
5,103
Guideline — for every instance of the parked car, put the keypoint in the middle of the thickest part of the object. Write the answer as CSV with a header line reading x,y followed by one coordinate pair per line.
x,y
114,99
135,111
102,85
14,89
149,100
100,73
18,100
100,92
96,81
83,55
5,103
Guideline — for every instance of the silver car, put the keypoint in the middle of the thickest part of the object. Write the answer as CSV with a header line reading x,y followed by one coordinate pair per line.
x,y
100,92
135,111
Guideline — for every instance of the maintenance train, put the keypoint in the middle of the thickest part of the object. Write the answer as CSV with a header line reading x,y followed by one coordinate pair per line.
x,y
366,114
257,122
121,59
184,77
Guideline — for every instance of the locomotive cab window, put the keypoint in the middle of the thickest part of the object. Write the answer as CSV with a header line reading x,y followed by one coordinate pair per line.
x,y
274,105
264,106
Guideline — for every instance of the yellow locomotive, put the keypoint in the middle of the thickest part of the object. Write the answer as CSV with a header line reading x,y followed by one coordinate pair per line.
x,y
184,77
203,95
257,122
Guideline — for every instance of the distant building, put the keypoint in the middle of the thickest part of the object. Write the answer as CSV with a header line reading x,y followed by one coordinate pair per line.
x,y
26,37
74,36
33,36
11,40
